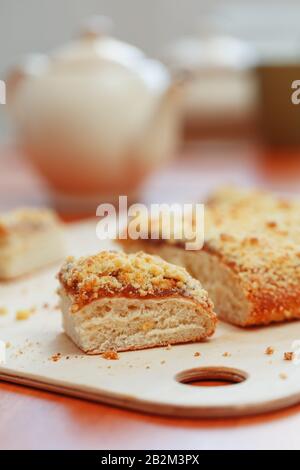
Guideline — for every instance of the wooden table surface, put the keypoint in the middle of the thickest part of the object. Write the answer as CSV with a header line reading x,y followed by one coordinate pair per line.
x,y
32,419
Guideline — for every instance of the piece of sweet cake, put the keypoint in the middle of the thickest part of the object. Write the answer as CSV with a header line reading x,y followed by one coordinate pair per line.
x,y
117,302
29,239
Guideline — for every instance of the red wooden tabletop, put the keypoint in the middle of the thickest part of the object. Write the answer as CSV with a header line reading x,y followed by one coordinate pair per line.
x,y
32,419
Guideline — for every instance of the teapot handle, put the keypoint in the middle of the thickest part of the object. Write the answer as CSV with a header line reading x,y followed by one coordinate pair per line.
x,y
31,66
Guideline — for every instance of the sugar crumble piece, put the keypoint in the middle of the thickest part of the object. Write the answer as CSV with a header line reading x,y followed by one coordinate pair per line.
x,y
288,356
283,376
197,354
3,311
162,362
168,347
7,344
147,367
269,351
110,355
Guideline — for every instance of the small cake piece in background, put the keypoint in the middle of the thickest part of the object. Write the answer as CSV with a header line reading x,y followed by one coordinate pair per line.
x,y
117,302
29,239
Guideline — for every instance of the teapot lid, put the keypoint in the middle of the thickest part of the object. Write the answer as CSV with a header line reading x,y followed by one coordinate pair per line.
x,y
95,44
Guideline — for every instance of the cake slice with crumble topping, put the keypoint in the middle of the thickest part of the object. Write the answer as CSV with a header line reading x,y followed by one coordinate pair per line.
x,y
29,239
250,261
117,301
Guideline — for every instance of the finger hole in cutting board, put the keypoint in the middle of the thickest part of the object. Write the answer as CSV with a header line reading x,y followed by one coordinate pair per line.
x,y
211,376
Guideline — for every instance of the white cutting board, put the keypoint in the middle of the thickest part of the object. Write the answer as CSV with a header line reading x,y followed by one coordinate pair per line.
x,y
144,380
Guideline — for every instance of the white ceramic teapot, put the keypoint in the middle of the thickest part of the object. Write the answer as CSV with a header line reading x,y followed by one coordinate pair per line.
x,y
95,117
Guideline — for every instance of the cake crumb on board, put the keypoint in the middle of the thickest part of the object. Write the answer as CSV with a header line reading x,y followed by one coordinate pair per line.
x,y
288,356
110,355
269,351
3,311
23,314
226,354
283,376
55,357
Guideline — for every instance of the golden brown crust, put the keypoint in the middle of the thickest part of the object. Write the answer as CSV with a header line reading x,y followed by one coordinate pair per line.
x,y
138,275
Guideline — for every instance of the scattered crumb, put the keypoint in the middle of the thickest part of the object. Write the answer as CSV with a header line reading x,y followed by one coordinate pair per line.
x,y
282,376
110,355
197,354
169,347
226,354
56,357
109,367
162,362
269,351
46,305
147,367
23,314
288,356
3,311
67,357
7,344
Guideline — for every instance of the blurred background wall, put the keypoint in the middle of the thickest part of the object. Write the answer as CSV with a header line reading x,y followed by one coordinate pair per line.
x,y
39,25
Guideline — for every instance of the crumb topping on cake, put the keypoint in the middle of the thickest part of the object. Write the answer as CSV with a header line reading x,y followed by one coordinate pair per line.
x,y
25,220
258,236
110,273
